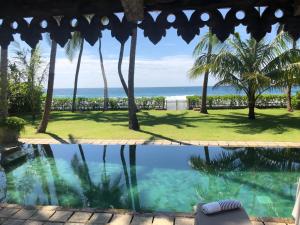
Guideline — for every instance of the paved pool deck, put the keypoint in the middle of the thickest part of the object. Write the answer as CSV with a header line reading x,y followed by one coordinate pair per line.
x,y
11,214
276,144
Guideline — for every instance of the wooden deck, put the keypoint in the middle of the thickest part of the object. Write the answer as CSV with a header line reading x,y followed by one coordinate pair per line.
x,y
11,214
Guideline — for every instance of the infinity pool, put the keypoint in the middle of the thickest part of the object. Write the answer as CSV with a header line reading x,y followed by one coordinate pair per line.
x,y
151,178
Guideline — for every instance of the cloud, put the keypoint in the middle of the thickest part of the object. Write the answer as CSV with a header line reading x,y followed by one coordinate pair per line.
x,y
158,72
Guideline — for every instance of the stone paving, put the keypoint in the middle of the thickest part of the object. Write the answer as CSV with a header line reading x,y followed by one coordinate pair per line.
x,y
165,142
11,214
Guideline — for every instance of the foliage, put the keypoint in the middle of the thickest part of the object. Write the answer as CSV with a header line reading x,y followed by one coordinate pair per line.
x,y
237,101
27,72
94,104
20,98
14,123
296,101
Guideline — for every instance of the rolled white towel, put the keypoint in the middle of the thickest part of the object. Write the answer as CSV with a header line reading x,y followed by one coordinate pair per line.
x,y
220,206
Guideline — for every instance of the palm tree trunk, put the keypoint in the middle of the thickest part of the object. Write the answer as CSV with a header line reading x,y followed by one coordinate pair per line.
x,y
32,90
121,74
251,106
289,98
76,76
205,80
44,123
120,69
133,121
105,107
4,84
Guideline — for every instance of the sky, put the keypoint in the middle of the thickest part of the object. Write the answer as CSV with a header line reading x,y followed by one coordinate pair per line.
x,y
163,65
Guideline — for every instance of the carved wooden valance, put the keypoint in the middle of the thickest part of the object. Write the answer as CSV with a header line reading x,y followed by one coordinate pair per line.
x,y
169,14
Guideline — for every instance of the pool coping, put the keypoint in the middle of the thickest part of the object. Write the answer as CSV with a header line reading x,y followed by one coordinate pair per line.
x,y
174,215
273,144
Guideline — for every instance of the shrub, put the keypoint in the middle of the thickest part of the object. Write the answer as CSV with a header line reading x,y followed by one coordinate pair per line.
x,y
93,104
14,123
237,101
296,101
21,98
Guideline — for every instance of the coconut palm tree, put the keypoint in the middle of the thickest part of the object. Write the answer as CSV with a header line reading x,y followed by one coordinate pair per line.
x,y
4,84
44,122
204,50
248,66
288,80
133,121
73,45
105,106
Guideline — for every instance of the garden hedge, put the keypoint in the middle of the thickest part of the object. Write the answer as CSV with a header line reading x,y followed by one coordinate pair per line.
x,y
237,101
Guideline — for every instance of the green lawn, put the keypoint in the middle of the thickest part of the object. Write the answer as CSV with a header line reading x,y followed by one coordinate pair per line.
x,y
270,125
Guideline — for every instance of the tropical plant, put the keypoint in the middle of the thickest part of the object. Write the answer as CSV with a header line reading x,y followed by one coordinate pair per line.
x,y
73,45
44,122
133,121
33,72
290,76
3,84
203,52
248,66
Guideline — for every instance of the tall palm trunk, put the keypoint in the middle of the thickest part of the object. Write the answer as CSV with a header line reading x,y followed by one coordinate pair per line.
x,y
76,76
123,82
31,85
105,106
44,123
133,121
4,84
251,106
289,88
120,69
289,98
205,80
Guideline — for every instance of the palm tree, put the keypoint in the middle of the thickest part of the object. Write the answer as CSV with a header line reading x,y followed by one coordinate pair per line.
x,y
44,123
4,84
248,66
133,121
73,45
288,80
207,43
105,107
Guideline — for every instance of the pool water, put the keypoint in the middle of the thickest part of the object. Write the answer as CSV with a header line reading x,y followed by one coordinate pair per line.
x,y
151,178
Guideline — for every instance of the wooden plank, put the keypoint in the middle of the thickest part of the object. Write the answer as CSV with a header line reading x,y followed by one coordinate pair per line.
x,y
61,216
274,223
141,220
121,219
100,218
162,220
184,221
257,223
80,217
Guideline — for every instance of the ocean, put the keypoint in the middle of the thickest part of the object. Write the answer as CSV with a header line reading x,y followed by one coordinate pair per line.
x,y
155,91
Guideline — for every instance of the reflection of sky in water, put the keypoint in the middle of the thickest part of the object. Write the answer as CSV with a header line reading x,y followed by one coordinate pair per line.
x,y
156,178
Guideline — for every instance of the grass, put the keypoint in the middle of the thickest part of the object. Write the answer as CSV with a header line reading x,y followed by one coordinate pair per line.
x,y
270,125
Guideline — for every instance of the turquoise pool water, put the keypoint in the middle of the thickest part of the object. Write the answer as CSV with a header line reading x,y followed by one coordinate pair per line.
x,y
151,178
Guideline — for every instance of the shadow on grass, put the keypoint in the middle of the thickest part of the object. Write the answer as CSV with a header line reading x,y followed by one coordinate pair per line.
x,y
236,120
56,137
159,136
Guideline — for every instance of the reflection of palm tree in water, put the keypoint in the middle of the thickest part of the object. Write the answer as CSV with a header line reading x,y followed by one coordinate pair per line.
x,y
231,167
133,176
107,193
